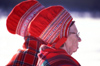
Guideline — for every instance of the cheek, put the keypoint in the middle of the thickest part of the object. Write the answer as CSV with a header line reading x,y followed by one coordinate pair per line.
x,y
74,44
72,41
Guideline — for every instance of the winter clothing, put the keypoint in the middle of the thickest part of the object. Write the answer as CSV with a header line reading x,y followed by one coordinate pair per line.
x,y
55,57
17,23
49,26
28,55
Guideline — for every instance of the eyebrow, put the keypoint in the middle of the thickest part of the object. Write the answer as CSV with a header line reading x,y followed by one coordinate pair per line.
x,y
72,32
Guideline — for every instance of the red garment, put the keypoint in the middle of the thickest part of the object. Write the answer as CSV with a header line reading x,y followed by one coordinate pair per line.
x,y
55,57
28,55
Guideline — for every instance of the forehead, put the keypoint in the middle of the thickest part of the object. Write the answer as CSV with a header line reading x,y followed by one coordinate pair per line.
x,y
73,28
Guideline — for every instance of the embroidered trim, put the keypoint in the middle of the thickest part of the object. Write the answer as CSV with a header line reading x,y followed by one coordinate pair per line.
x,y
54,29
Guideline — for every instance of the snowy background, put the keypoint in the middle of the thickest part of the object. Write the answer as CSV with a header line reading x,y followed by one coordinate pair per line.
x,y
87,22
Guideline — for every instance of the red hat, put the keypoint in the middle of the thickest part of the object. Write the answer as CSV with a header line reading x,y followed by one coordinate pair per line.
x,y
51,25
21,15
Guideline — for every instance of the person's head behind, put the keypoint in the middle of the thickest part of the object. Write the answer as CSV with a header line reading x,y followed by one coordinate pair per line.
x,y
21,15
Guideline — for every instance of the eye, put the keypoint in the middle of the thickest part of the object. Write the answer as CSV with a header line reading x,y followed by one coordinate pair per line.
x,y
77,34
72,33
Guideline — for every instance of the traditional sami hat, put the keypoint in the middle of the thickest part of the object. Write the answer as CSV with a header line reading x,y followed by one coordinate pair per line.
x,y
51,25
21,15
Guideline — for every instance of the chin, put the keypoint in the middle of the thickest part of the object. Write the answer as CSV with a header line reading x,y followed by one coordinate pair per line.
x,y
71,53
75,51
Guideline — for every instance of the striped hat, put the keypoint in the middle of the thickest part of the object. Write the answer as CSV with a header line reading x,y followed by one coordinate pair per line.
x,y
21,15
51,25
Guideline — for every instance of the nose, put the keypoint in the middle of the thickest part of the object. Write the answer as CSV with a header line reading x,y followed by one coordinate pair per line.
x,y
79,39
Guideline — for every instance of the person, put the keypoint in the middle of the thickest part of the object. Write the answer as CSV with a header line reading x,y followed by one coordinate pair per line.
x,y
17,23
55,26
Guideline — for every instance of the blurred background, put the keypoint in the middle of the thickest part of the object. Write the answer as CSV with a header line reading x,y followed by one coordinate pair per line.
x,y
86,13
